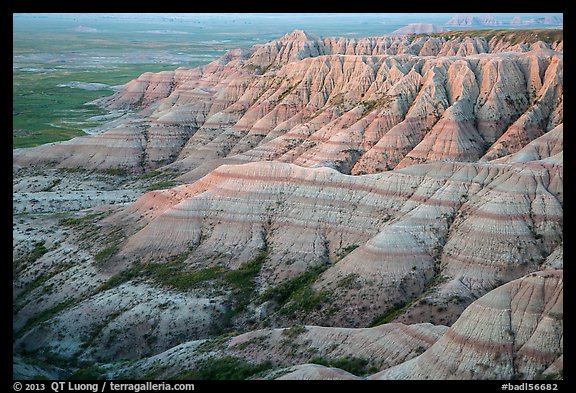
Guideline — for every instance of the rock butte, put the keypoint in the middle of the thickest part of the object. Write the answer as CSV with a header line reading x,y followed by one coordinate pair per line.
x,y
418,28
469,20
450,245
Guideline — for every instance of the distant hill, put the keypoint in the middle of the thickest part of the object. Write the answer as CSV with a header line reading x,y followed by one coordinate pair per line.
x,y
469,21
489,20
418,28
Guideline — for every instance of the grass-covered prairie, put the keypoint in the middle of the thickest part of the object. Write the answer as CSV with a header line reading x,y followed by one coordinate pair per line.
x,y
49,106
60,65
55,75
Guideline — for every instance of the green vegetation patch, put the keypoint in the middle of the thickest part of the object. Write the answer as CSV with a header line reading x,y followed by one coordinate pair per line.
x,y
169,274
297,295
105,254
119,279
242,279
347,281
151,174
225,368
89,373
354,365
117,172
172,275
255,341
215,344
347,250
24,138
87,219
307,300
161,185
45,315
391,314
294,331
37,251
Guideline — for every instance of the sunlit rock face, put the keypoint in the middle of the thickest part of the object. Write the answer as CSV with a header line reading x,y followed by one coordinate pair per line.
x,y
359,106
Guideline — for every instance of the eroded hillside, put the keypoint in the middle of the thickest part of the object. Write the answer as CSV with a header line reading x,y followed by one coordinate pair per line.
x,y
310,200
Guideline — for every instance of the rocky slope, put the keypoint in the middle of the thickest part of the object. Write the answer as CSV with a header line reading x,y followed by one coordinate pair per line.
x,y
373,348
345,202
417,244
514,332
411,228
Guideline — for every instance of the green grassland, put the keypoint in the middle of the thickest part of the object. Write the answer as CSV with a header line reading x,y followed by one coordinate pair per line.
x,y
44,112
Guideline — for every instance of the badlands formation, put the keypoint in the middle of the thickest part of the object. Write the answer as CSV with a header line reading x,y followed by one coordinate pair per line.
x,y
418,28
317,208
